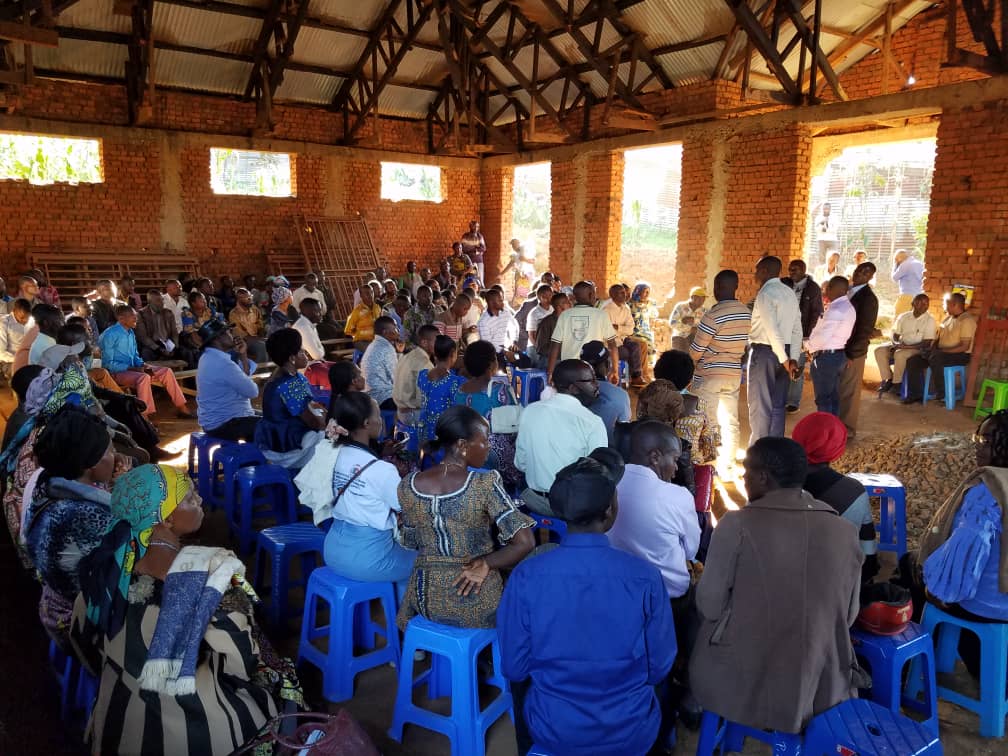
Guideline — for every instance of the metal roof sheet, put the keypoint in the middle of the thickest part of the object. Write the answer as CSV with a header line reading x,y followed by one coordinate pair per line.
x,y
299,86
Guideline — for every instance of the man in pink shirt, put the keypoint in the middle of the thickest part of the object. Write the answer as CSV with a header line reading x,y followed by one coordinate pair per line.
x,y
825,345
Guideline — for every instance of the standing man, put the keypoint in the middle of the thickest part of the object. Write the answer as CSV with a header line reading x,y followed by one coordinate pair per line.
x,y
810,305
913,333
775,340
717,349
474,245
827,233
311,290
122,359
224,388
523,264
826,344
908,274
866,310
379,362
622,319
955,343
558,431
577,326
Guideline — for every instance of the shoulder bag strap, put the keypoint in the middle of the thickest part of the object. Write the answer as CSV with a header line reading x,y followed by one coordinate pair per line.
x,y
353,477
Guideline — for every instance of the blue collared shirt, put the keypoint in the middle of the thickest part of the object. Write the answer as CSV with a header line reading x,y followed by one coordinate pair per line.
x,y
612,405
594,650
223,391
378,366
119,349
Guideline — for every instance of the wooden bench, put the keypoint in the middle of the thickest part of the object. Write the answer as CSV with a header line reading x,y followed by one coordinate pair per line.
x,y
289,263
76,273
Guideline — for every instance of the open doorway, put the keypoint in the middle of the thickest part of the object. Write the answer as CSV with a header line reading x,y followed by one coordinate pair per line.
x,y
651,182
873,199
531,208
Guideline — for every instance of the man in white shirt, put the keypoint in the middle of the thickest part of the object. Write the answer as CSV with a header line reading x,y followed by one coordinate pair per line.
x,y
558,431
775,339
656,519
913,332
497,325
311,316
827,233
13,327
825,345
580,324
908,274
544,294
310,290
623,323
174,302
860,256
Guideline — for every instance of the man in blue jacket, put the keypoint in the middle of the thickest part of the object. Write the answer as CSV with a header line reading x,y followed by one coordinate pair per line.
x,y
584,664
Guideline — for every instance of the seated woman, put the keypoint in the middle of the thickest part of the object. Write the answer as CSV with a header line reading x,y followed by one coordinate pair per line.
x,y
449,514
68,509
279,319
962,551
483,394
347,482
824,438
438,386
645,312
169,631
292,423
345,377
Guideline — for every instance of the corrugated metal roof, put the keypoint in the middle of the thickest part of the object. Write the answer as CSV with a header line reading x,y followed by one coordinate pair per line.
x,y
660,22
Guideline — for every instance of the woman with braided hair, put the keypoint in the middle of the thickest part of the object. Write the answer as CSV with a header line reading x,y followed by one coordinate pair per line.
x,y
964,552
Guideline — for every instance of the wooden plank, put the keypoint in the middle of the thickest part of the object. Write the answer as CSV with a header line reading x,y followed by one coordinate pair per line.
x,y
32,35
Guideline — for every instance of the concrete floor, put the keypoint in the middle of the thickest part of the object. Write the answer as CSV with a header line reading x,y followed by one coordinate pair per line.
x,y
29,707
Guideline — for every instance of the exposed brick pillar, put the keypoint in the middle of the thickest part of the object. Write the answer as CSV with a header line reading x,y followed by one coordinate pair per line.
x,y
586,219
766,207
701,211
496,207
967,230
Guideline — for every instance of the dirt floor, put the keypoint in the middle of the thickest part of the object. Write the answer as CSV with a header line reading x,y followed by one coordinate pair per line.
x,y
29,711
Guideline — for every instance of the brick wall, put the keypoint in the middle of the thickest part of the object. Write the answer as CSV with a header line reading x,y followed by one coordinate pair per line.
x,y
603,218
694,213
563,217
969,206
495,214
767,200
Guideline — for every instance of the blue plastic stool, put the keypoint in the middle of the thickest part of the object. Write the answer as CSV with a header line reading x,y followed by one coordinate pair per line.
x,y
993,704
453,673
718,734
529,385
224,463
553,526
892,509
538,750
279,545
888,655
349,625
87,693
624,373
864,728
65,667
952,392
201,449
279,503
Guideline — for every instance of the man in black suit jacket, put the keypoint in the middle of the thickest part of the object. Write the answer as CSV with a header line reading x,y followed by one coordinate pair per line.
x,y
866,308
810,305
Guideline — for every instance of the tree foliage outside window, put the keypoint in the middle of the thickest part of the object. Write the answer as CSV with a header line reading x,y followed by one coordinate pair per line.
x,y
249,172
409,181
531,209
41,159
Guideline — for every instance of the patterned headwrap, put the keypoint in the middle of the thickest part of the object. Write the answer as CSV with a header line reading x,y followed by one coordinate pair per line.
x,y
281,294
141,499
660,400
638,289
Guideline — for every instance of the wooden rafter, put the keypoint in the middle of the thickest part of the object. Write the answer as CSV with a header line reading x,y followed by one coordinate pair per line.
x,y
139,81
40,13
358,96
279,33
980,16
765,45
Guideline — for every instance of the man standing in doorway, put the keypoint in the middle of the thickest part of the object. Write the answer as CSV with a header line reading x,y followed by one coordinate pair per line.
x,y
908,274
474,245
810,305
866,313
717,348
827,233
775,339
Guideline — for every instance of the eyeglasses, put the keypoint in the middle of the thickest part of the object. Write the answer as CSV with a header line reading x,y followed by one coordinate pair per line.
x,y
587,380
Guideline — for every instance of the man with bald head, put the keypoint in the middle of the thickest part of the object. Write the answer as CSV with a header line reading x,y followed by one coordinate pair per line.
x,y
908,274
775,340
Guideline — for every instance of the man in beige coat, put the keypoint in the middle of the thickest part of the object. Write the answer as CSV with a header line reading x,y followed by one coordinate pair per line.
x,y
777,598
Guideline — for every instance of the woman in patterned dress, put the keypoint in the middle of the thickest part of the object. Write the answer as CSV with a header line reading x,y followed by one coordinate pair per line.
x,y
644,312
291,424
438,386
449,514
484,394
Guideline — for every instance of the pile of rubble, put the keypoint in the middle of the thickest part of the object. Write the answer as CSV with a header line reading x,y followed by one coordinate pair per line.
x,y
930,465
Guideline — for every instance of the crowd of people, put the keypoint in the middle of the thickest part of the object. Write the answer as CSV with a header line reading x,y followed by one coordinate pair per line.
x,y
425,471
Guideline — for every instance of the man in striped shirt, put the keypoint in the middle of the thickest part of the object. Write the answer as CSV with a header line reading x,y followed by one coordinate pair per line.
x,y
718,345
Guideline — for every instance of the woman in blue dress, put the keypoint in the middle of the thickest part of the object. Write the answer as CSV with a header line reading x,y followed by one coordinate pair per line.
x,y
291,424
438,386
484,394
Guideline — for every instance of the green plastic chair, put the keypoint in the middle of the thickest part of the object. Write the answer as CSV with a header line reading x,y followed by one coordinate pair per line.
x,y
1000,401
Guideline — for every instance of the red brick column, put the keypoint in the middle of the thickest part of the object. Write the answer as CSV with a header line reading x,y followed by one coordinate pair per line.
x,y
496,207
